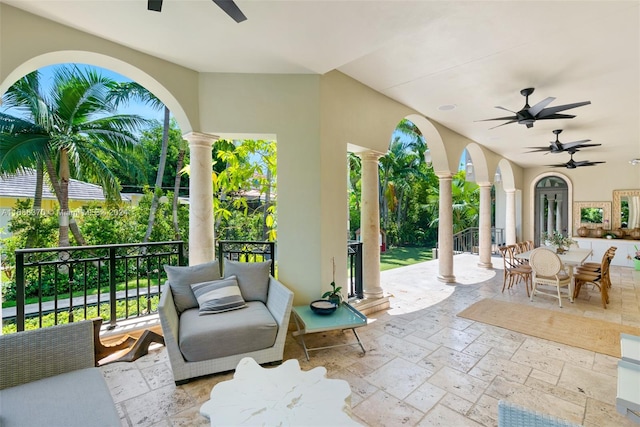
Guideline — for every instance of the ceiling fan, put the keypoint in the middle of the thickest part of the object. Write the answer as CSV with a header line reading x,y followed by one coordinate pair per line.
x,y
572,164
558,147
227,5
528,115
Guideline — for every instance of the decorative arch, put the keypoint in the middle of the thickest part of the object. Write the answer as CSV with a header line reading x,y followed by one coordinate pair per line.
x,y
439,157
104,61
532,200
479,160
507,174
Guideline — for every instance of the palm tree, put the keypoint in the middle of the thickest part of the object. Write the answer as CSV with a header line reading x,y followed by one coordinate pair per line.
x,y
70,128
124,93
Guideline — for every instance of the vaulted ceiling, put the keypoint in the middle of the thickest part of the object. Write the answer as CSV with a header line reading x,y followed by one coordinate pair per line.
x,y
452,61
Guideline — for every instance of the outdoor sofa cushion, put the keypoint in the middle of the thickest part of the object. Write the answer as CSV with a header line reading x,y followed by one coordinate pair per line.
x,y
253,278
181,278
77,398
232,332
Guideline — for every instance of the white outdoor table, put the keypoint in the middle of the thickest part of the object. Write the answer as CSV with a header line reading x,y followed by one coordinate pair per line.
x,y
572,257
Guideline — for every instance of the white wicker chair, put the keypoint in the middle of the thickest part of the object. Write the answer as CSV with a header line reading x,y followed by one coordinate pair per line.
x,y
279,303
548,270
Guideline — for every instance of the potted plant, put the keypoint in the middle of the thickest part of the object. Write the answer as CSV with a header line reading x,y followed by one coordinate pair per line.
x,y
559,240
636,258
335,294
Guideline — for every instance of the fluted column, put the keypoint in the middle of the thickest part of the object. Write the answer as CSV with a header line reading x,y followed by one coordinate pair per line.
x,y
201,233
484,226
370,225
445,229
510,217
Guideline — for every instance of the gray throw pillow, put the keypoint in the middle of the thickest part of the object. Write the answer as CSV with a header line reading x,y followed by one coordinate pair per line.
x,y
253,278
218,296
181,278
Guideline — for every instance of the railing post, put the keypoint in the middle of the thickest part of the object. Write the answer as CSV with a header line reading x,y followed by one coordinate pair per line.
x,y
272,250
359,286
112,288
180,253
20,308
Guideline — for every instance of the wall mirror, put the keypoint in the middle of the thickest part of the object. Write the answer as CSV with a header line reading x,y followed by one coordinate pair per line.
x,y
626,209
591,215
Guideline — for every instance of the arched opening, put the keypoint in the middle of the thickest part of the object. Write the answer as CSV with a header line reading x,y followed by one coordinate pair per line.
x,y
551,206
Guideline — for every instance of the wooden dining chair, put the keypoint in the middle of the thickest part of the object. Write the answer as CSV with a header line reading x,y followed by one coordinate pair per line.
x,y
514,271
548,270
599,278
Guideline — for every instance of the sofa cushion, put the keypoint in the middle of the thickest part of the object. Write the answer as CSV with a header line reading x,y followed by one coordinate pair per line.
x,y
77,398
253,278
218,296
181,278
232,332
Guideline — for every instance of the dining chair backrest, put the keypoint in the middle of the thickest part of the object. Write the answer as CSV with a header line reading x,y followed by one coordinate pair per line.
x,y
545,262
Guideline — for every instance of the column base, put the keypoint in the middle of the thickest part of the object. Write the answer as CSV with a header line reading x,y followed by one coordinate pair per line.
x,y
447,278
485,264
371,305
373,294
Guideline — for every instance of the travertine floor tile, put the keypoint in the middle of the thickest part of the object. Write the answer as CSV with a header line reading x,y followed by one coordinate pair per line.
x,y
382,409
444,417
398,377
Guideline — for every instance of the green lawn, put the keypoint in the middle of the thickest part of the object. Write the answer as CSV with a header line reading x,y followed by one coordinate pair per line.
x,y
401,256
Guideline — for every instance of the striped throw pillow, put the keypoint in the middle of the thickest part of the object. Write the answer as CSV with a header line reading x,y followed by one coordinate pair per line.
x,y
218,296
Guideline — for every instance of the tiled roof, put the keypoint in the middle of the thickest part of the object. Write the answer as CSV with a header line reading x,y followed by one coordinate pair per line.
x,y
23,184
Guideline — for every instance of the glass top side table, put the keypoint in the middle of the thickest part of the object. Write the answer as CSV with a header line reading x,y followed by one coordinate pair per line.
x,y
345,317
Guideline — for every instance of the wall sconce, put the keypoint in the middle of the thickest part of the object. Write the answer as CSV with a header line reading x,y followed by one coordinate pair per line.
x,y
497,177
470,176
427,157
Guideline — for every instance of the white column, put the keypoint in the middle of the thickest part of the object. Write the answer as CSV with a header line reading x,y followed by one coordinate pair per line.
x,y
445,230
510,217
201,234
551,214
559,216
370,226
484,226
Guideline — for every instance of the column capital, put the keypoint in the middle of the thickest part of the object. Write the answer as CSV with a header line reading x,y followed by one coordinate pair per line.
x,y
509,190
370,155
484,184
200,139
443,175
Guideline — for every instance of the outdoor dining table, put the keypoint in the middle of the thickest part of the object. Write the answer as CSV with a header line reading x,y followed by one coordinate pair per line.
x,y
570,258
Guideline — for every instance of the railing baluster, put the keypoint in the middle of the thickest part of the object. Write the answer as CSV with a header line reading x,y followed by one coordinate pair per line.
x,y
112,288
20,292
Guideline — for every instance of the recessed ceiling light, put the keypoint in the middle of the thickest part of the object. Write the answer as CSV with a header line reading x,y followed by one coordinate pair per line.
x,y
447,107
634,162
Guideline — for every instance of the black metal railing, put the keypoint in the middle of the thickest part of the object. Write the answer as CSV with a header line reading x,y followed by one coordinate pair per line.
x,y
248,251
468,239
66,282
354,253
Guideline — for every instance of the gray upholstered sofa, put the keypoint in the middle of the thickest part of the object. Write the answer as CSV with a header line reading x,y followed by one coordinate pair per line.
x,y
48,378
201,342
